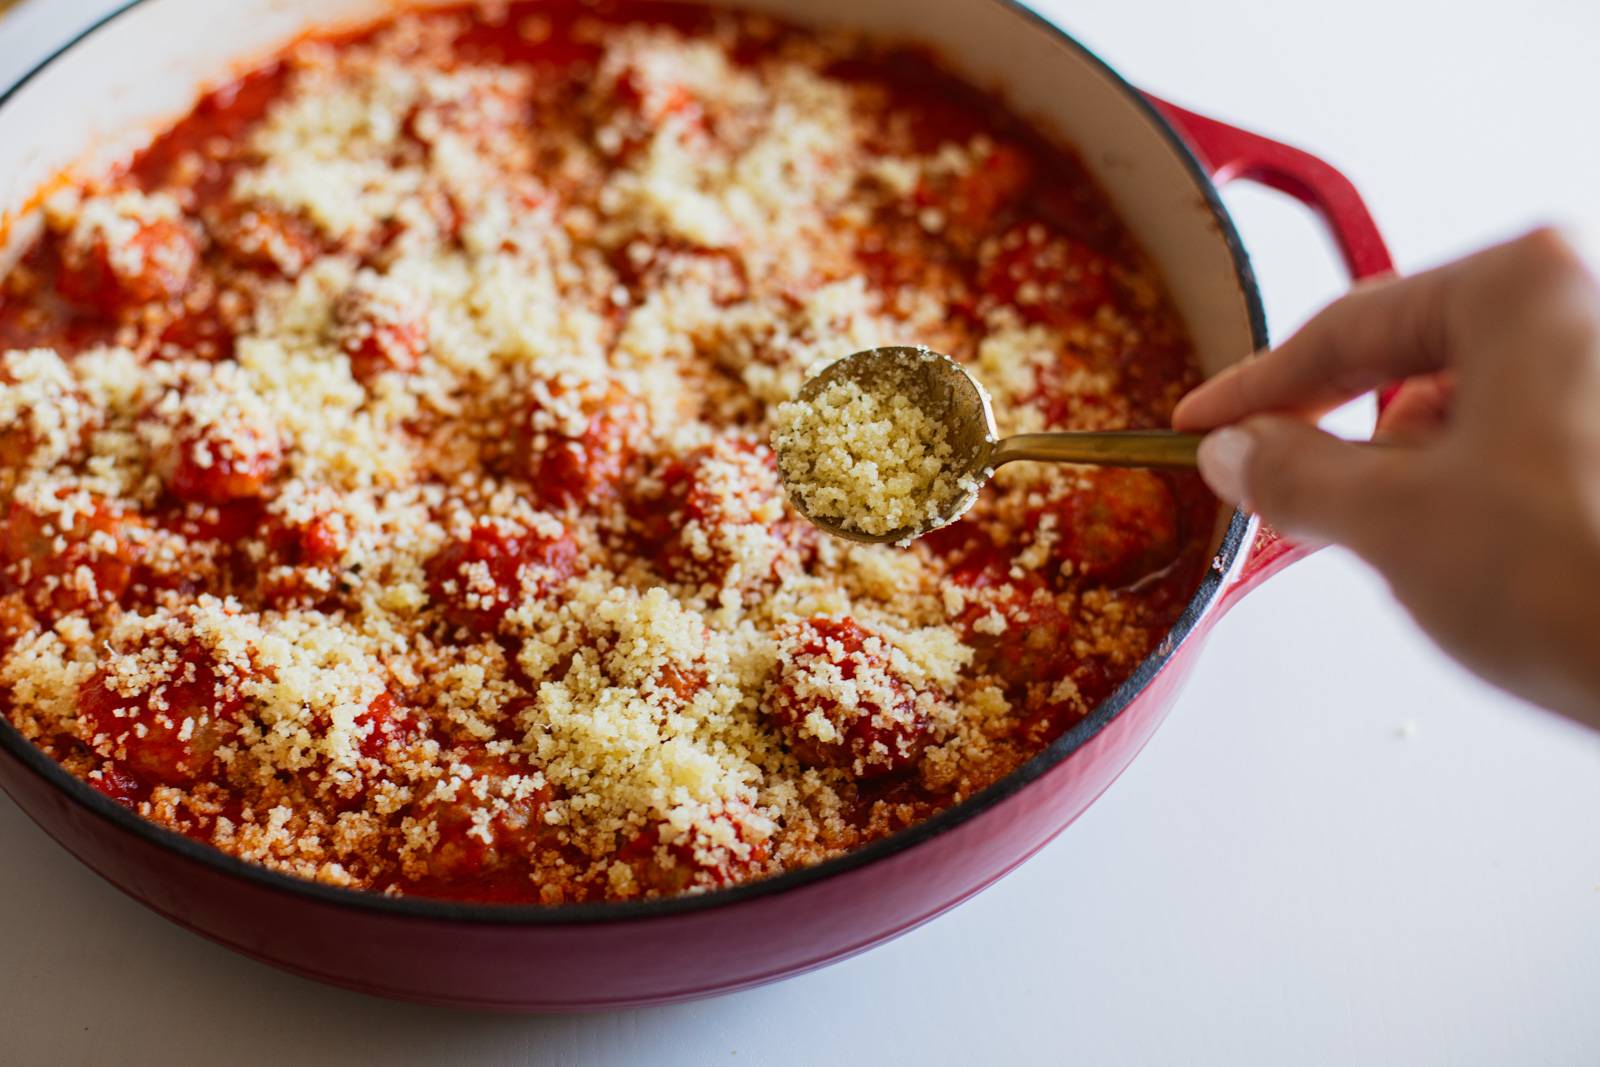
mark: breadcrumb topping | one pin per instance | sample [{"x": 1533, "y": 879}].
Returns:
[{"x": 384, "y": 487}]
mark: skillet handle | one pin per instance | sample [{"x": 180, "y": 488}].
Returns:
[{"x": 1228, "y": 153}]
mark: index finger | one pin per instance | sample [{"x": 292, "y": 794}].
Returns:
[
  {"x": 1380, "y": 332},
  {"x": 1384, "y": 331}
]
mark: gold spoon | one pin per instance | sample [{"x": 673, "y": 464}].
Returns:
[{"x": 946, "y": 392}]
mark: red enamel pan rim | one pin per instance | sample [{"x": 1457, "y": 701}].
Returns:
[{"x": 422, "y": 908}]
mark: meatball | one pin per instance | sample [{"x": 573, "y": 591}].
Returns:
[
  {"x": 127, "y": 251},
  {"x": 1110, "y": 528},
  {"x": 265, "y": 239},
  {"x": 381, "y": 328},
  {"x": 215, "y": 442},
  {"x": 486, "y": 818},
  {"x": 1050, "y": 278},
  {"x": 218, "y": 465},
  {"x": 1014, "y": 624},
  {"x": 576, "y": 443},
  {"x": 385, "y": 726},
  {"x": 720, "y": 519},
  {"x": 165, "y": 726},
  {"x": 973, "y": 200},
  {"x": 301, "y": 555},
  {"x": 69, "y": 557},
  {"x": 480, "y": 577},
  {"x": 840, "y": 702},
  {"x": 710, "y": 853}
]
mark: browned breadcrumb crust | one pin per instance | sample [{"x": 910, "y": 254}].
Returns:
[{"x": 386, "y": 493}]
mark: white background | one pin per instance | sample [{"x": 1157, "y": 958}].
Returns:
[{"x": 1339, "y": 849}]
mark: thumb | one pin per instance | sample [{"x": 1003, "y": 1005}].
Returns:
[{"x": 1305, "y": 482}]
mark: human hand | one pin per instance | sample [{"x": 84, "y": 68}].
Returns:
[{"x": 1482, "y": 510}]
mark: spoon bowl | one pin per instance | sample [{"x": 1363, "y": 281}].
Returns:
[
  {"x": 948, "y": 394},
  {"x": 939, "y": 387}
]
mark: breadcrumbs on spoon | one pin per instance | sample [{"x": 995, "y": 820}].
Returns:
[{"x": 866, "y": 459}]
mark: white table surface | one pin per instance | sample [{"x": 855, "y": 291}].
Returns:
[{"x": 1339, "y": 849}]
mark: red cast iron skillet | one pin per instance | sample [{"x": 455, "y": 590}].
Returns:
[{"x": 587, "y": 956}]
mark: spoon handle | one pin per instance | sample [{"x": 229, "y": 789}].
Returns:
[{"x": 1110, "y": 448}]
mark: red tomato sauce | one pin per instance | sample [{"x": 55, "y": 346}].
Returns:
[{"x": 1022, "y": 230}]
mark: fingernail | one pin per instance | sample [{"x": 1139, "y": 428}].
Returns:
[{"x": 1223, "y": 457}]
